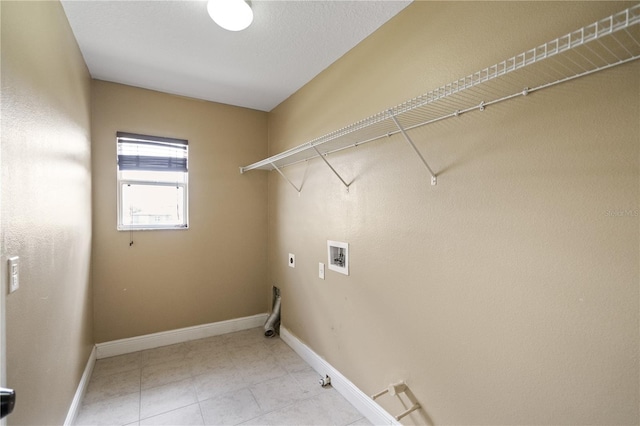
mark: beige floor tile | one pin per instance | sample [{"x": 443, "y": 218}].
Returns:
[
  {"x": 278, "y": 347},
  {"x": 308, "y": 380},
  {"x": 261, "y": 370},
  {"x": 163, "y": 354},
  {"x": 218, "y": 382},
  {"x": 111, "y": 386},
  {"x": 169, "y": 397},
  {"x": 292, "y": 362},
  {"x": 229, "y": 379},
  {"x": 230, "y": 409},
  {"x": 260, "y": 421},
  {"x": 115, "y": 411},
  {"x": 277, "y": 393},
  {"x": 321, "y": 409},
  {"x": 167, "y": 372},
  {"x": 287, "y": 358},
  {"x": 338, "y": 409},
  {"x": 116, "y": 364},
  {"x": 205, "y": 362},
  {"x": 289, "y": 415},
  {"x": 361, "y": 422},
  {"x": 250, "y": 352},
  {"x": 209, "y": 344},
  {"x": 185, "y": 416},
  {"x": 244, "y": 337}
]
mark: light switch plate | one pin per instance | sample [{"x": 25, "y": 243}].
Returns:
[
  {"x": 321, "y": 270},
  {"x": 14, "y": 273}
]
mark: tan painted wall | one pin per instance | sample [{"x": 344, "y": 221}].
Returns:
[
  {"x": 505, "y": 294},
  {"x": 46, "y": 209},
  {"x": 216, "y": 270}
]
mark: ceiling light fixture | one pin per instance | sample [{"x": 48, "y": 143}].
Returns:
[{"x": 232, "y": 15}]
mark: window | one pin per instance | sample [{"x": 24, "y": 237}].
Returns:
[{"x": 152, "y": 182}]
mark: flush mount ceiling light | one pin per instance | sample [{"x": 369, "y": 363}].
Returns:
[{"x": 232, "y": 15}]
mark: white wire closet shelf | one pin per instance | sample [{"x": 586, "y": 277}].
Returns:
[{"x": 609, "y": 42}]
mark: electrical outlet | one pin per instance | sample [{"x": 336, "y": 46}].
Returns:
[
  {"x": 292, "y": 260},
  {"x": 14, "y": 274},
  {"x": 321, "y": 270}
]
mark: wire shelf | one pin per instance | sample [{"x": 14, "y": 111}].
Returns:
[{"x": 609, "y": 42}]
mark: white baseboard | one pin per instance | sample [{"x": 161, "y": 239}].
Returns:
[
  {"x": 81, "y": 390},
  {"x": 155, "y": 340},
  {"x": 164, "y": 338},
  {"x": 361, "y": 401}
]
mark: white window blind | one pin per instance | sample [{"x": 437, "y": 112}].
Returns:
[{"x": 149, "y": 153}]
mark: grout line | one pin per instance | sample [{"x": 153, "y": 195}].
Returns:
[
  {"x": 264, "y": 413},
  {"x": 200, "y": 408},
  {"x": 140, "y": 395},
  {"x": 236, "y": 365}
]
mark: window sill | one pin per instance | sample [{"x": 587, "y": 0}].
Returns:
[{"x": 163, "y": 228}]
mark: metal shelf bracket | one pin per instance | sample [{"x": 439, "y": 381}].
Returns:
[
  {"x": 331, "y": 167},
  {"x": 604, "y": 44},
  {"x": 434, "y": 178},
  {"x": 286, "y": 178}
]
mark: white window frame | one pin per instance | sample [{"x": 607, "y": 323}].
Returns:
[{"x": 157, "y": 183}]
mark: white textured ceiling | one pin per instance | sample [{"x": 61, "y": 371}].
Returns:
[{"x": 174, "y": 47}]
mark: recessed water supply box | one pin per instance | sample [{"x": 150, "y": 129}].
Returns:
[{"x": 338, "y": 256}]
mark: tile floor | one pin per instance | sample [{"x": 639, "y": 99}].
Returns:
[{"x": 237, "y": 378}]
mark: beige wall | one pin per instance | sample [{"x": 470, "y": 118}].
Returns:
[
  {"x": 216, "y": 270},
  {"x": 46, "y": 209},
  {"x": 505, "y": 294}
]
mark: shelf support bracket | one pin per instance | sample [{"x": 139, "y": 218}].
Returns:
[
  {"x": 331, "y": 167},
  {"x": 285, "y": 177},
  {"x": 434, "y": 178}
]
